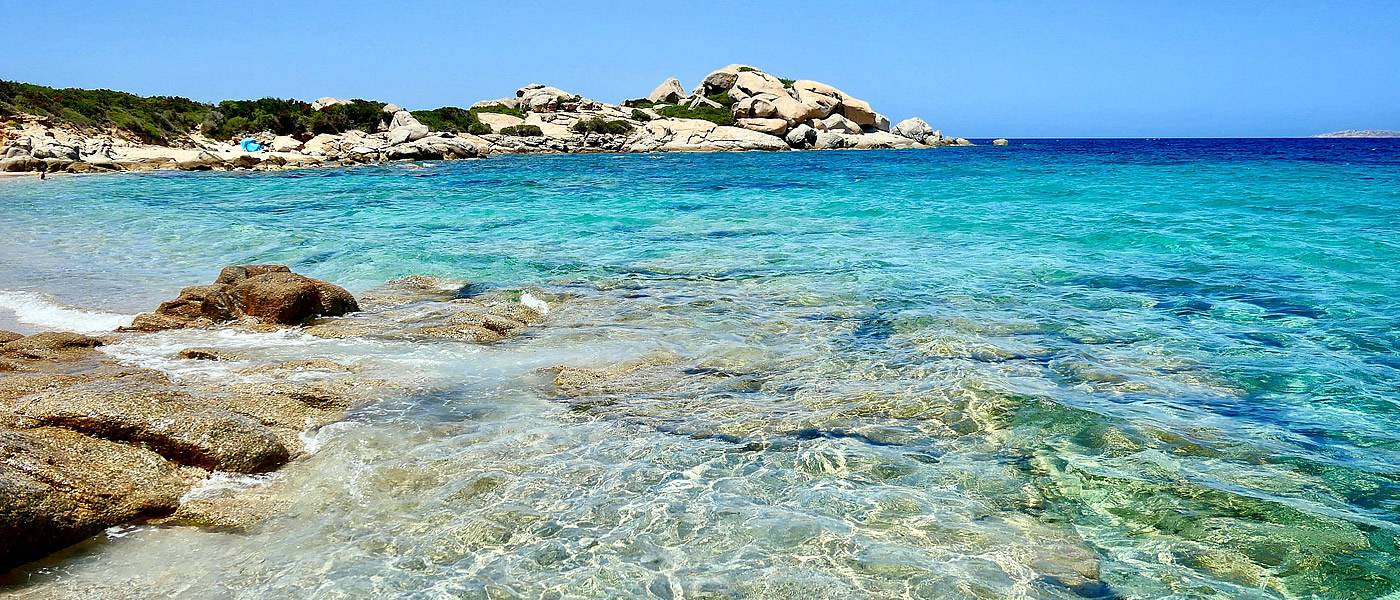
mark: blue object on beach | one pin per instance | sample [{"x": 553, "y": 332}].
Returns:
[{"x": 250, "y": 146}]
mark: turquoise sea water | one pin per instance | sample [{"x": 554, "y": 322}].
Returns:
[{"x": 1102, "y": 369}]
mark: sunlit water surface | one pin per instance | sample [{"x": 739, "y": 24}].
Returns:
[{"x": 1080, "y": 369}]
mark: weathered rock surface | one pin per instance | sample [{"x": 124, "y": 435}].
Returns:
[
  {"x": 670, "y": 92},
  {"x": 58, "y": 487},
  {"x": 171, "y": 423},
  {"x": 802, "y": 136},
  {"x": 1000, "y": 142},
  {"x": 667, "y": 135},
  {"x": 271, "y": 294},
  {"x": 918, "y": 130},
  {"x": 86, "y": 443}
]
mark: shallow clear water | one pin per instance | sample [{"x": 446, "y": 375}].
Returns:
[{"x": 1056, "y": 370}]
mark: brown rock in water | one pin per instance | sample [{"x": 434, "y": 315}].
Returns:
[
  {"x": 211, "y": 302},
  {"x": 177, "y": 426},
  {"x": 58, "y": 487},
  {"x": 272, "y": 294},
  {"x": 9, "y": 336},
  {"x": 204, "y": 354}
]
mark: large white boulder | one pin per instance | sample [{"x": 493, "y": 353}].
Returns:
[
  {"x": 408, "y": 133},
  {"x": 918, "y": 130},
  {"x": 538, "y": 97},
  {"x": 758, "y": 82},
  {"x": 880, "y": 139},
  {"x": 768, "y": 126},
  {"x": 317, "y": 144},
  {"x": 438, "y": 147},
  {"x": 499, "y": 121},
  {"x": 326, "y": 101},
  {"x": 669, "y": 92},
  {"x": 819, "y": 105},
  {"x": 802, "y": 136},
  {"x": 720, "y": 79},
  {"x": 817, "y": 87},
  {"x": 882, "y": 123},
  {"x": 840, "y": 124},
  {"x": 694, "y": 135},
  {"x": 857, "y": 110},
  {"x": 835, "y": 141},
  {"x": 285, "y": 143},
  {"x": 512, "y": 102}
]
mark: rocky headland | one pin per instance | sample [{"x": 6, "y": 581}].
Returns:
[
  {"x": 88, "y": 441},
  {"x": 1361, "y": 133},
  {"x": 734, "y": 108}
]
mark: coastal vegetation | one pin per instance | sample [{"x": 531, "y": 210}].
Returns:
[
  {"x": 601, "y": 125},
  {"x": 719, "y": 115},
  {"x": 453, "y": 119},
  {"x": 522, "y": 130},
  {"x": 154, "y": 119},
  {"x": 734, "y": 108}
]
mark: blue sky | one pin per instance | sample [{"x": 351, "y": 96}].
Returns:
[{"x": 978, "y": 68}]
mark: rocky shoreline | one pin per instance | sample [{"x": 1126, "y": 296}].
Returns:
[
  {"x": 88, "y": 442},
  {"x": 735, "y": 108}
]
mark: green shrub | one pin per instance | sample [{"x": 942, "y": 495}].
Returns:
[
  {"x": 281, "y": 117},
  {"x": 640, "y": 116},
  {"x": 601, "y": 125},
  {"x": 639, "y": 103},
  {"x": 746, "y": 69},
  {"x": 363, "y": 115},
  {"x": 522, "y": 130},
  {"x": 500, "y": 109},
  {"x": 721, "y": 98},
  {"x": 718, "y": 116},
  {"x": 157, "y": 119},
  {"x": 448, "y": 118},
  {"x": 787, "y": 82}
]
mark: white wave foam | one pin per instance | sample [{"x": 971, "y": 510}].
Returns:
[
  {"x": 35, "y": 309},
  {"x": 534, "y": 303},
  {"x": 220, "y": 482}
]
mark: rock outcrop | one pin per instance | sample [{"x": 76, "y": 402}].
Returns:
[
  {"x": 86, "y": 443},
  {"x": 669, "y": 92},
  {"x": 269, "y": 294},
  {"x": 759, "y": 103}
]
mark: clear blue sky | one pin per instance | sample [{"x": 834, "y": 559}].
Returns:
[{"x": 977, "y": 68}]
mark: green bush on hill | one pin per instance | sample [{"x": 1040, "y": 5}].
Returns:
[
  {"x": 451, "y": 118},
  {"x": 156, "y": 119},
  {"x": 640, "y": 116},
  {"x": 718, "y": 116},
  {"x": 281, "y": 117},
  {"x": 522, "y": 130},
  {"x": 364, "y": 115},
  {"x": 601, "y": 125},
  {"x": 500, "y": 109}
]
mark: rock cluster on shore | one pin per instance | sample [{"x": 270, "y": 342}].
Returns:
[
  {"x": 88, "y": 442},
  {"x": 734, "y": 108}
]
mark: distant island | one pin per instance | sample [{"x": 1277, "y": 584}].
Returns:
[
  {"x": 734, "y": 108},
  {"x": 1361, "y": 133}
]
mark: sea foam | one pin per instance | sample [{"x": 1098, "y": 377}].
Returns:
[{"x": 37, "y": 310}]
